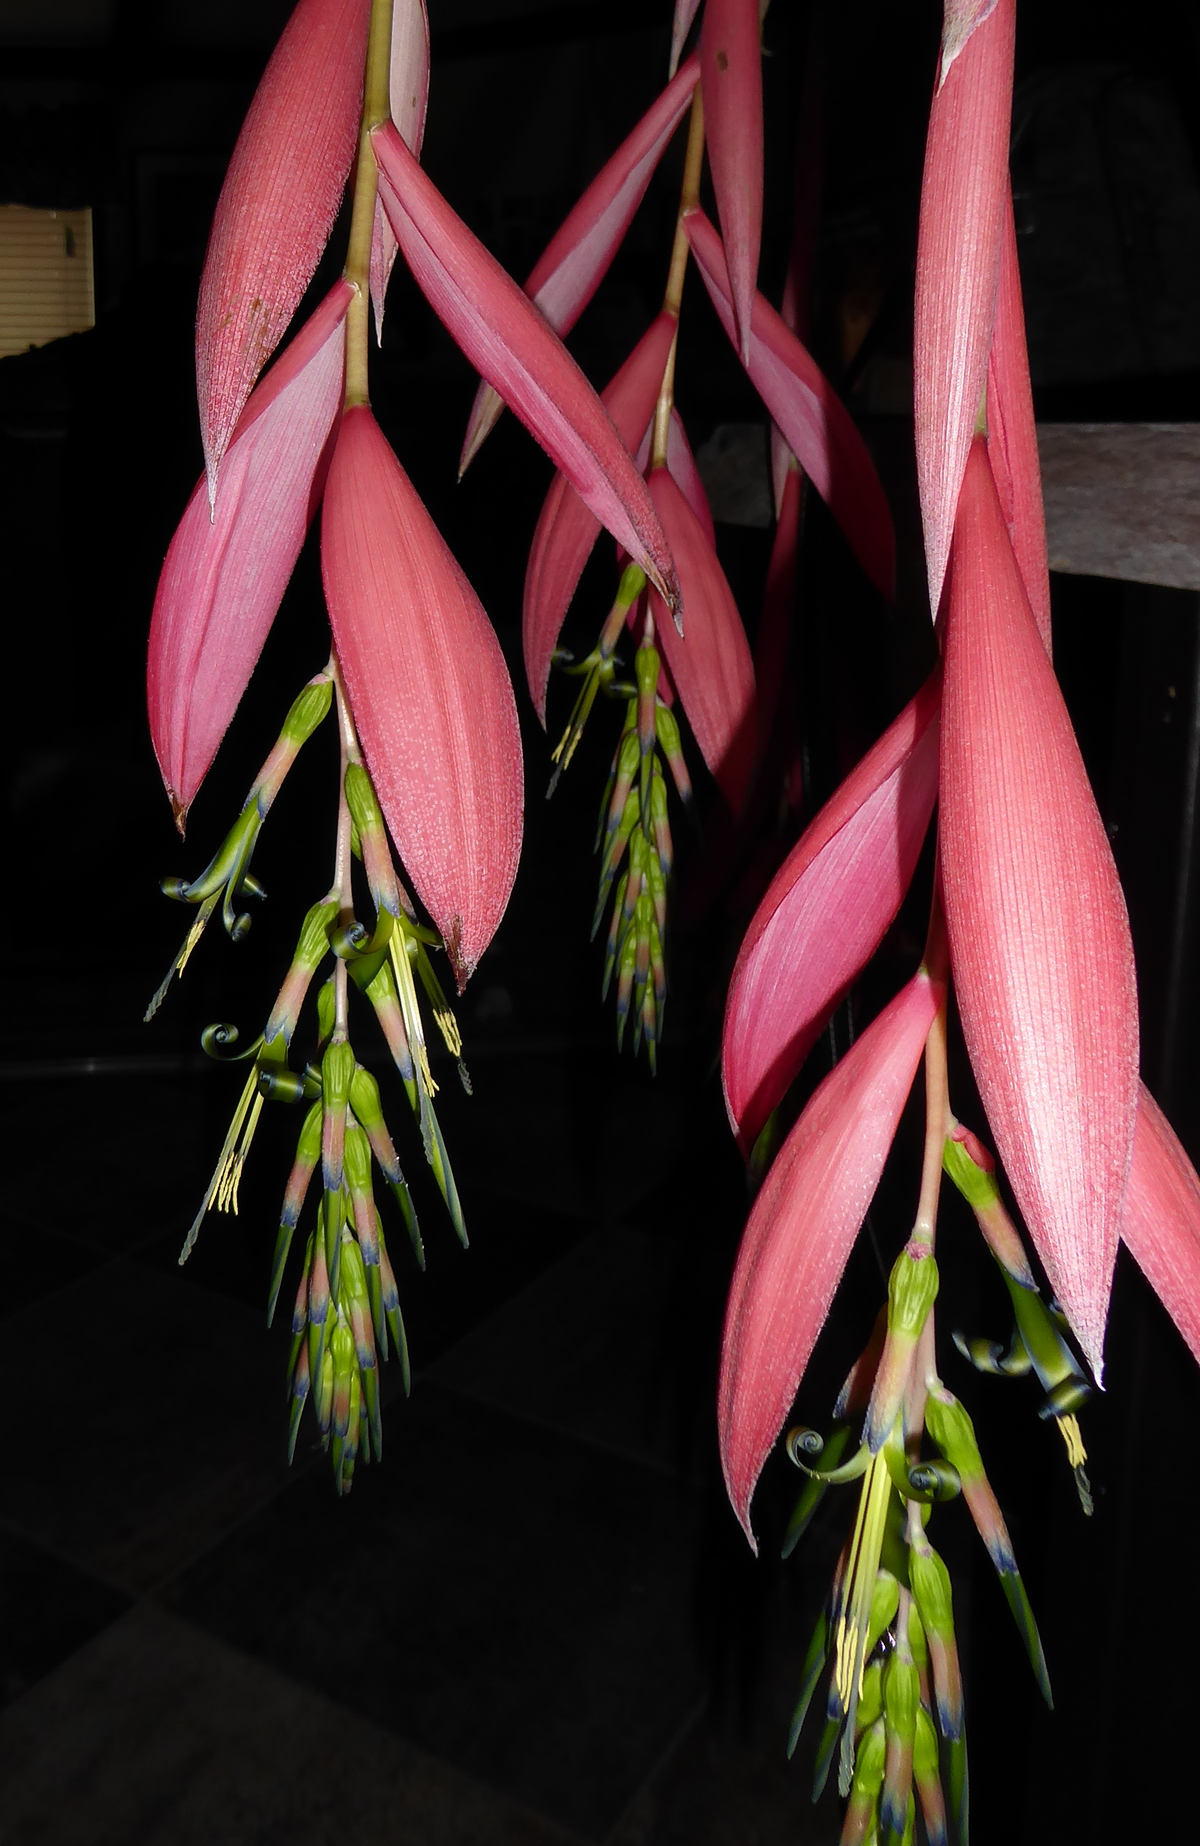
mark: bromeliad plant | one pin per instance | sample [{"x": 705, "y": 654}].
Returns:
[
  {"x": 701, "y": 660},
  {"x": 1029, "y": 927},
  {"x": 429, "y": 744}
]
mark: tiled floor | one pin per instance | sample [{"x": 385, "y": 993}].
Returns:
[{"x": 520, "y": 1629}]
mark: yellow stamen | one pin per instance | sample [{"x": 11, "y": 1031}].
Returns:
[
  {"x": 1069, "y": 1430},
  {"x": 217, "y": 1183},
  {"x": 411, "y": 1013},
  {"x": 227, "y": 1198}
]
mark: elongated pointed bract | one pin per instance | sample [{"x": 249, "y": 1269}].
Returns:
[
  {"x": 408, "y": 96},
  {"x": 773, "y": 640},
  {"x": 710, "y": 663},
  {"x": 1161, "y": 1220},
  {"x": 801, "y": 1230},
  {"x": 814, "y": 421},
  {"x": 509, "y": 342},
  {"x": 685, "y": 12},
  {"x": 429, "y": 691},
  {"x": 227, "y": 568},
  {"x": 1039, "y": 937},
  {"x": 681, "y": 465},
  {"x": 963, "y": 195},
  {"x": 576, "y": 260},
  {"x": 566, "y": 528},
  {"x": 277, "y": 207},
  {"x": 1012, "y": 433},
  {"x": 731, "y": 81},
  {"x": 826, "y": 911}
]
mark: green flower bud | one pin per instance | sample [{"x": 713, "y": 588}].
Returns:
[
  {"x": 364, "y": 1098},
  {"x": 870, "y": 1699},
  {"x": 912, "y": 1290},
  {"x": 633, "y": 582},
  {"x": 885, "y": 1600},
  {"x": 362, "y": 801},
  {"x": 925, "y": 1747},
  {"x": 901, "y": 1695},
  {"x": 337, "y": 1074},
  {"x": 326, "y": 1008},
  {"x": 954, "y": 1433},
  {"x": 308, "y": 711},
  {"x": 357, "y": 1158},
  {"x": 870, "y": 1762},
  {"x": 931, "y": 1590},
  {"x": 978, "y": 1187}
]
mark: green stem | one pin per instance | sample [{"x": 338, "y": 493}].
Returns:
[{"x": 375, "y": 109}]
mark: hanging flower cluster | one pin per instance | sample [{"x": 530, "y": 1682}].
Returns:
[
  {"x": 702, "y": 659},
  {"x": 429, "y": 743},
  {"x": 1029, "y": 926}
]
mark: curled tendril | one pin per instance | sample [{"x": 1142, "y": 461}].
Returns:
[
  {"x": 931, "y": 1481},
  {"x": 805, "y": 1446},
  {"x": 215, "y": 1038},
  {"x": 990, "y": 1357},
  {"x": 351, "y": 942}
]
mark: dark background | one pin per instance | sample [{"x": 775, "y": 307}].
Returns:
[{"x": 537, "y": 1622}]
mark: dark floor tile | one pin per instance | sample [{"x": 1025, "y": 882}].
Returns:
[
  {"x": 597, "y": 1348},
  {"x": 112, "y": 1160},
  {"x": 40, "y": 1259},
  {"x": 49, "y": 1609},
  {"x": 161, "y": 1417},
  {"x": 516, "y": 1603},
  {"x": 160, "y": 1735}
]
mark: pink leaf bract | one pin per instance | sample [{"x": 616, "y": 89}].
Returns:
[
  {"x": 428, "y": 688},
  {"x": 815, "y": 423},
  {"x": 227, "y": 568},
  {"x": 802, "y": 1229},
  {"x": 510, "y": 344},
  {"x": 681, "y": 25},
  {"x": 1161, "y": 1220},
  {"x": 566, "y": 529},
  {"x": 408, "y": 98},
  {"x": 277, "y": 207},
  {"x": 826, "y": 912},
  {"x": 710, "y": 663},
  {"x": 1012, "y": 434},
  {"x": 731, "y": 83},
  {"x": 963, "y": 195},
  {"x": 577, "y": 258},
  {"x": 1039, "y": 937}
]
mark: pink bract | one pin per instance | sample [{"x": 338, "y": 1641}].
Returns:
[
  {"x": 1161, "y": 1220},
  {"x": 509, "y": 342},
  {"x": 428, "y": 688},
  {"x": 566, "y": 529},
  {"x": 576, "y": 260},
  {"x": 228, "y": 566},
  {"x": 408, "y": 98},
  {"x": 731, "y": 82},
  {"x": 710, "y": 663},
  {"x": 963, "y": 195},
  {"x": 815, "y": 423},
  {"x": 1039, "y": 938},
  {"x": 802, "y": 1229},
  {"x": 826, "y": 912},
  {"x": 277, "y": 207}
]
